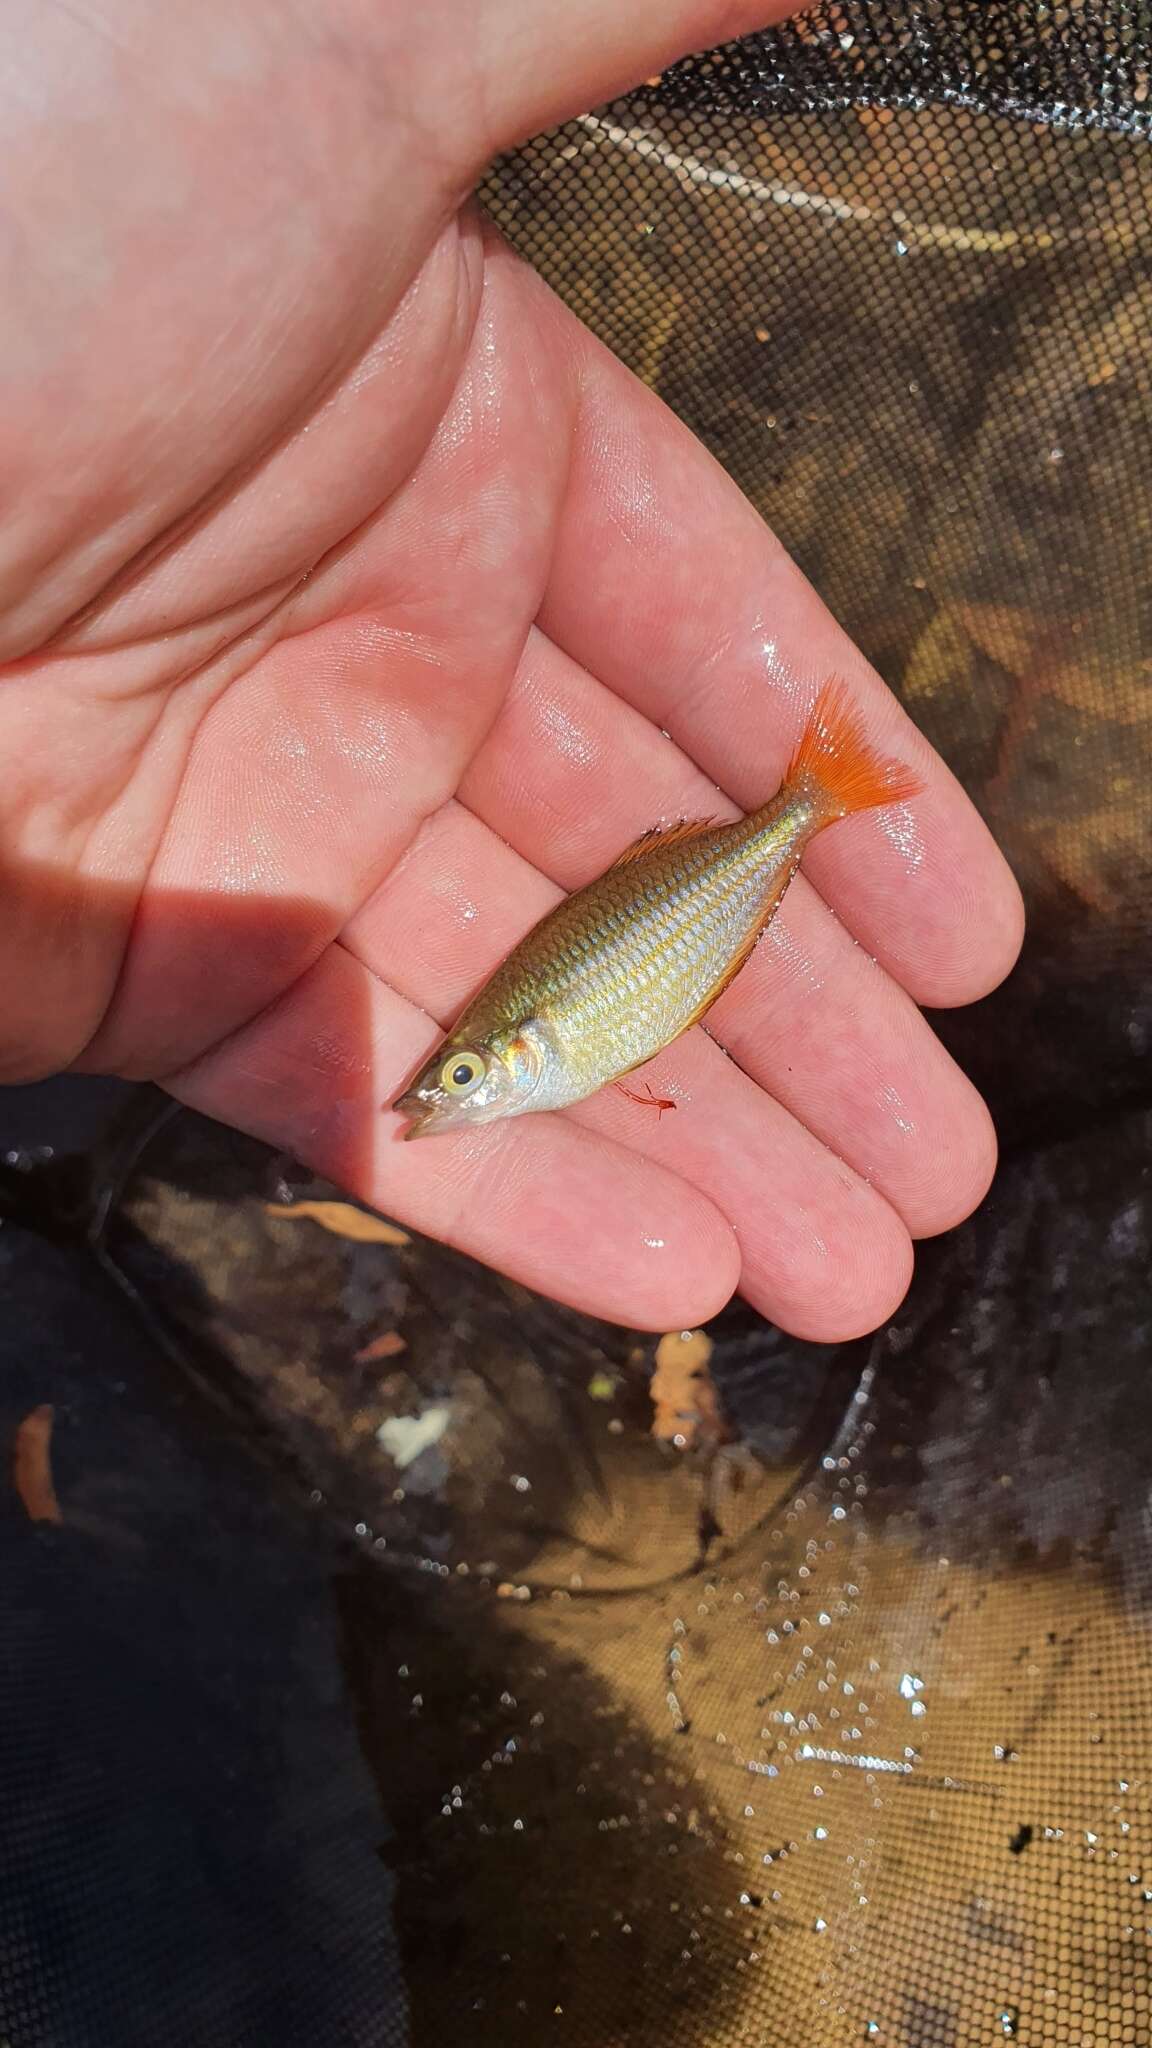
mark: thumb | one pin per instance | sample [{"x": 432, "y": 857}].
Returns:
[{"x": 544, "y": 63}]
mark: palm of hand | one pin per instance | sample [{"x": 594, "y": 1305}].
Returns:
[{"x": 397, "y": 663}]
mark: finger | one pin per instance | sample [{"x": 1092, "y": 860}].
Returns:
[
  {"x": 303, "y": 777},
  {"x": 666, "y": 584},
  {"x": 559, "y": 1208},
  {"x": 570, "y": 775},
  {"x": 821, "y": 1253},
  {"x": 543, "y": 64}
]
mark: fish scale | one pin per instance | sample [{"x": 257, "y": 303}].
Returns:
[
  {"x": 620, "y": 968},
  {"x": 617, "y": 970}
]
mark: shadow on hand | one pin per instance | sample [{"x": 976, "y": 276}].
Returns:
[{"x": 236, "y": 1003}]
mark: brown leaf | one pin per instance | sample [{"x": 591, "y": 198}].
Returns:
[
  {"x": 942, "y": 655},
  {"x": 1098, "y": 687},
  {"x": 683, "y": 1396},
  {"x": 343, "y": 1219},
  {"x": 1009, "y": 633},
  {"x": 32, "y": 1466},
  {"x": 389, "y": 1345},
  {"x": 1090, "y": 851}
]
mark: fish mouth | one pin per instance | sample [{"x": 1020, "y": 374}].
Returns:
[{"x": 418, "y": 1111}]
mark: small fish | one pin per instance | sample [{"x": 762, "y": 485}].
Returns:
[{"x": 619, "y": 969}]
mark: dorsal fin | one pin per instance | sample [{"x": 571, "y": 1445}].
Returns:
[{"x": 659, "y": 836}]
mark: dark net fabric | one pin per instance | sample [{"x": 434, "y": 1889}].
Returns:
[
  {"x": 891, "y": 264},
  {"x": 419, "y": 1663}
]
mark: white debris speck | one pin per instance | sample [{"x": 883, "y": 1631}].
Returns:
[{"x": 404, "y": 1437}]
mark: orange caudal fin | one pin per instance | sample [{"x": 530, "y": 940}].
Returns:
[{"x": 836, "y": 758}]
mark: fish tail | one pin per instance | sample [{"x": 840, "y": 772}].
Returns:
[{"x": 835, "y": 761}]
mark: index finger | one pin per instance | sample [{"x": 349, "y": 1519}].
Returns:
[{"x": 668, "y": 586}]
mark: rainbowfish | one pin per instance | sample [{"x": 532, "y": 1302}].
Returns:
[{"x": 620, "y": 968}]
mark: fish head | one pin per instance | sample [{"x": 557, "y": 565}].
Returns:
[{"x": 472, "y": 1081}]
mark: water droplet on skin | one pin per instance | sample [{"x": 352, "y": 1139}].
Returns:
[
  {"x": 654, "y": 1244},
  {"x": 900, "y": 828},
  {"x": 888, "y": 1099},
  {"x": 566, "y": 736}
]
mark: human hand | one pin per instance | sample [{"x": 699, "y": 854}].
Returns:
[{"x": 348, "y": 590}]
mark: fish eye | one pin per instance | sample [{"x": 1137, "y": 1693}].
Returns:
[{"x": 462, "y": 1073}]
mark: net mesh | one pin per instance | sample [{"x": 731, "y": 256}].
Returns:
[
  {"x": 831, "y": 1721},
  {"x": 891, "y": 266}
]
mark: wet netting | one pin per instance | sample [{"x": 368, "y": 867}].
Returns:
[{"x": 388, "y": 1657}]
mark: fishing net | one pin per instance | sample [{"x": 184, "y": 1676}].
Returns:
[{"x": 415, "y": 1662}]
